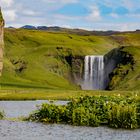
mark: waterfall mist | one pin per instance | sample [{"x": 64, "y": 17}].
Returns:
[{"x": 94, "y": 78}]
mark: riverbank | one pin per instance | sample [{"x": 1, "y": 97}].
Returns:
[{"x": 38, "y": 131}]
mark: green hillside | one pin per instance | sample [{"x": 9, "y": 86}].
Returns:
[
  {"x": 127, "y": 77},
  {"x": 36, "y": 59}
]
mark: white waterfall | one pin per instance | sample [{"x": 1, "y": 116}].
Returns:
[{"x": 94, "y": 73}]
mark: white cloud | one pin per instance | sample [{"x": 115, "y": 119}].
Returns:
[
  {"x": 9, "y": 15},
  {"x": 28, "y": 12},
  {"x": 60, "y": 1},
  {"x": 52, "y": 5},
  {"x": 64, "y": 17},
  {"x": 131, "y": 4},
  {"x": 128, "y": 4},
  {"x": 9, "y": 12},
  {"x": 116, "y": 26},
  {"x": 94, "y": 15},
  {"x": 6, "y": 3},
  {"x": 17, "y": 13},
  {"x": 134, "y": 16},
  {"x": 114, "y": 15}
]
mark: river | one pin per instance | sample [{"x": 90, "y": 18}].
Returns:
[{"x": 13, "y": 130}]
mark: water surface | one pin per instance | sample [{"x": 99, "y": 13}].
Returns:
[
  {"x": 10, "y": 130},
  {"x": 14, "y": 109}
]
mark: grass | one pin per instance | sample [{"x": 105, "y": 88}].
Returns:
[
  {"x": 35, "y": 68},
  {"x": 32, "y": 58},
  {"x": 41, "y": 94},
  {"x": 132, "y": 80}
]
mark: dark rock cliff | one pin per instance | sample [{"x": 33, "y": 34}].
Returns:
[
  {"x": 118, "y": 63},
  {"x": 74, "y": 63}
]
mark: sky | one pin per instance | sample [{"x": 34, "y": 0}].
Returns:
[{"x": 119, "y": 15}]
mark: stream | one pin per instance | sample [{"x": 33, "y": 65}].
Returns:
[{"x": 16, "y": 130}]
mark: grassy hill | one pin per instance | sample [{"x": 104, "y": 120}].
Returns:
[
  {"x": 126, "y": 77},
  {"x": 37, "y": 59}
]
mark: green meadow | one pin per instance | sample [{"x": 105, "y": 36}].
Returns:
[
  {"x": 41, "y": 94},
  {"x": 35, "y": 68}
]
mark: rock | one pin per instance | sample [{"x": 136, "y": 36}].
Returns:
[
  {"x": 1, "y": 41},
  {"x": 118, "y": 63}
]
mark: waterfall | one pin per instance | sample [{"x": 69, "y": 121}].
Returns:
[{"x": 94, "y": 73}]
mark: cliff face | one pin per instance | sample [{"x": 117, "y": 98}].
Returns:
[
  {"x": 74, "y": 63},
  {"x": 118, "y": 64},
  {"x": 1, "y": 41}
]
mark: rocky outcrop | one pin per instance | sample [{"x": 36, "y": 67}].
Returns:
[
  {"x": 118, "y": 63},
  {"x": 1, "y": 41},
  {"x": 78, "y": 69},
  {"x": 74, "y": 63}
]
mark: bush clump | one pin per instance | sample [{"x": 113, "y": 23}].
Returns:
[
  {"x": 117, "y": 112},
  {"x": 123, "y": 116}
]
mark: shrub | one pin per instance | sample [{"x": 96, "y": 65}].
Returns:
[
  {"x": 49, "y": 113},
  {"x": 117, "y": 112},
  {"x": 82, "y": 116},
  {"x": 123, "y": 116}
]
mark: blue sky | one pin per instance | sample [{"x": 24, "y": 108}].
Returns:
[{"x": 87, "y": 14}]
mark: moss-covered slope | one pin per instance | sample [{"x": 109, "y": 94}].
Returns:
[
  {"x": 127, "y": 75},
  {"x": 40, "y": 59},
  {"x": 43, "y": 59}
]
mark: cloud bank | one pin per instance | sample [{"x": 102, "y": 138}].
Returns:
[{"x": 92, "y": 14}]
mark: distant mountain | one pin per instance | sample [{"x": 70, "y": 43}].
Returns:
[
  {"x": 11, "y": 27},
  {"x": 138, "y": 30},
  {"x": 75, "y": 31},
  {"x": 52, "y": 28},
  {"x": 42, "y": 27},
  {"x": 28, "y": 27}
]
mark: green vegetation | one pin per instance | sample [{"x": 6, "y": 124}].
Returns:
[
  {"x": 41, "y": 65},
  {"x": 41, "y": 94},
  {"x": 121, "y": 112},
  {"x": 126, "y": 76},
  {"x": 124, "y": 115},
  {"x": 1, "y": 17},
  {"x": 37, "y": 63},
  {"x": 2, "y": 115},
  {"x": 36, "y": 59}
]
